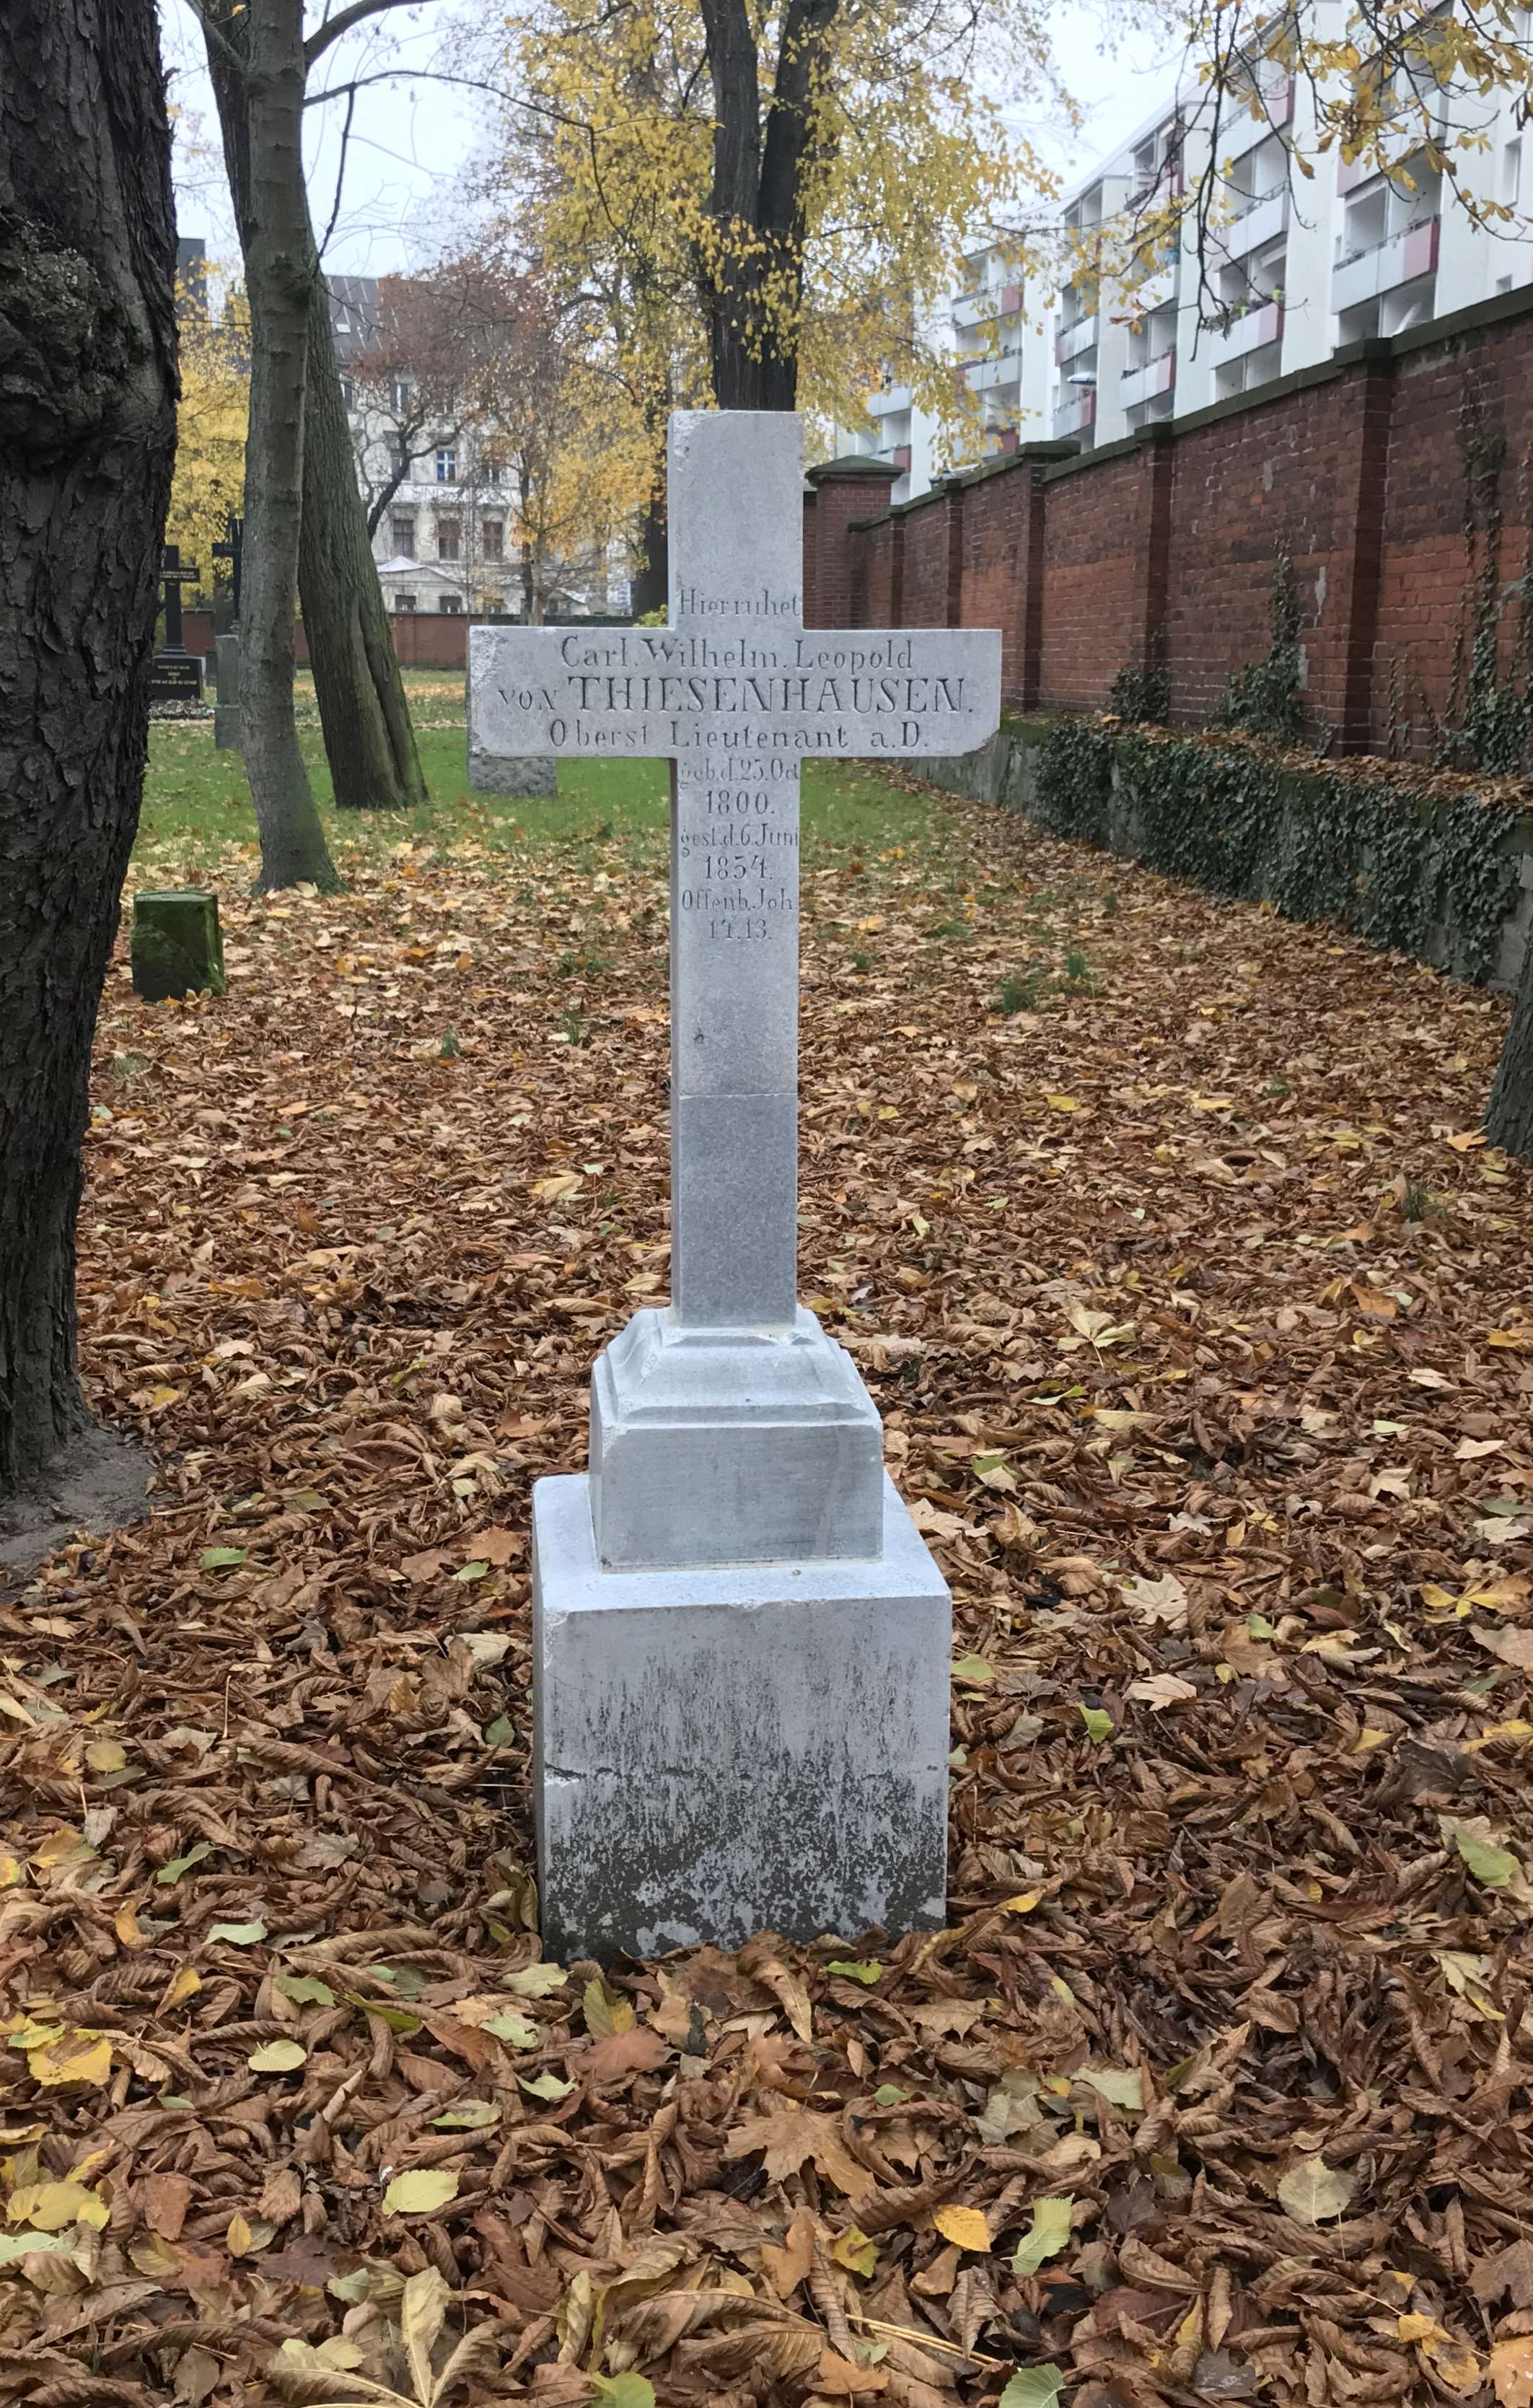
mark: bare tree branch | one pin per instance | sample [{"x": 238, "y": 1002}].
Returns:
[
  {"x": 216, "y": 40},
  {"x": 340, "y": 175},
  {"x": 334, "y": 27}
]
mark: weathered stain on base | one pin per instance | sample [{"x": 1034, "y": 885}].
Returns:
[{"x": 723, "y": 1753}]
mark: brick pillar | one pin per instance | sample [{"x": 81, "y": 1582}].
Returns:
[
  {"x": 811, "y": 605},
  {"x": 951, "y": 538},
  {"x": 844, "y": 491},
  {"x": 1353, "y": 572},
  {"x": 1152, "y": 545},
  {"x": 1015, "y": 488}
]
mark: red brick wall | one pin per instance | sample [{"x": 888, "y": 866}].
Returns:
[
  {"x": 1091, "y": 578},
  {"x": 931, "y": 583},
  {"x": 1161, "y": 551},
  {"x": 878, "y": 566},
  {"x": 1002, "y": 527},
  {"x": 1448, "y": 402},
  {"x": 422, "y": 638},
  {"x": 843, "y": 492}
]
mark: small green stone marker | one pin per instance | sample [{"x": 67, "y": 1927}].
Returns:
[{"x": 177, "y": 945}]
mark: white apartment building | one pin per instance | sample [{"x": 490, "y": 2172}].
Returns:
[
  {"x": 1294, "y": 267},
  {"x": 998, "y": 365}
]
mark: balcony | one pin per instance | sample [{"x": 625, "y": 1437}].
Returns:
[
  {"x": 1261, "y": 220},
  {"x": 1398, "y": 259},
  {"x": 889, "y": 403},
  {"x": 986, "y": 304},
  {"x": 1252, "y": 332},
  {"x": 983, "y": 376},
  {"x": 1078, "y": 415},
  {"x": 1143, "y": 383},
  {"x": 1240, "y": 132},
  {"x": 1071, "y": 342},
  {"x": 1153, "y": 291},
  {"x": 901, "y": 458}
]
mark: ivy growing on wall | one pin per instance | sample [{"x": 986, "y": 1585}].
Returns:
[
  {"x": 1142, "y": 695},
  {"x": 1488, "y": 720},
  {"x": 1265, "y": 697},
  {"x": 1372, "y": 855}
]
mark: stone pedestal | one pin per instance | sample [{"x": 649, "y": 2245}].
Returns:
[
  {"x": 723, "y": 1752},
  {"x": 742, "y": 1446}
]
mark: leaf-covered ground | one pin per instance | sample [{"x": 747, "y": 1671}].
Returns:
[{"x": 1202, "y": 1325}]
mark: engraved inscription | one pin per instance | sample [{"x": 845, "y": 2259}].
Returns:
[{"x": 737, "y": 870}]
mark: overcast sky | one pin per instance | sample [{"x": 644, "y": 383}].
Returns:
[{"x": 404, "y": 195}]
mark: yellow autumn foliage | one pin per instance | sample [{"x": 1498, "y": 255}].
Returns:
[
  {"x": 911, "y": 151},
  {"x": 210, "y": 422}
]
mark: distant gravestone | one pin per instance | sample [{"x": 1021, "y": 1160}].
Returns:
[
  {"x": 530, "y": 777},
  {"x": 226, "y": 719},
  {"x": 175, "y": 674},
  {"x": 740, "y": 1643},
  {"x": 177, "y": 947}
]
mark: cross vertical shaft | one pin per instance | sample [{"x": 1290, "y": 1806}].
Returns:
[{"x": 735, "y": 486}]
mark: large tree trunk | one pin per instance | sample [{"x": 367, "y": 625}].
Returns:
[
  {"x": 652, "y": 578},
  {"x": 370, "y": 741},
  {"x": 650, "y": 586},
  {"x": 280, "y": 272},
  {"x": 757, "y": 201},
  {"x": 1509, "y": 1115},
  {"x": 86, "y": 438}
]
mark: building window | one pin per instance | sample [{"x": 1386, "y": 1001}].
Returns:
[
  {"x": 494, "y": 602},
  {"x": 494, "y": 539},
  {"x": 447, "y": 464},
  {"x": 400, "y": 395},
  {"x": 404, "y": 603},
  {"x": 494, "y": 471},
  {"x": 404, "y": 537},
  {"x": 450, "y": 606},
  {"x": 449, "y": 538},
  {"x": 348, "y": 392}
]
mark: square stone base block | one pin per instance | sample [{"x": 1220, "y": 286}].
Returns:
[{"x": 723, "y": 1752}]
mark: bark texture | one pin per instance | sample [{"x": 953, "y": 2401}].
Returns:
[
  {"x": 370, "y": 741},
  {"x": 1509, "y": 1115},
  {"x": 280, "y": 273},
  {"x": 87, "y": 439},
  {"x": 753, "y": 289}
]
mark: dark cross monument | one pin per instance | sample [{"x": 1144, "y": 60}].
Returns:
[
  {"x": 175, "y": 674},
  {"x": 226, "y": 640}
]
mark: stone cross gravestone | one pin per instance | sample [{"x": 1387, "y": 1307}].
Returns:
[{"x": 740, "y": 1641}]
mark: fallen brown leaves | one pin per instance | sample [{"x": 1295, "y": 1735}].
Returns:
[{"x": 1216, "y": 2087}]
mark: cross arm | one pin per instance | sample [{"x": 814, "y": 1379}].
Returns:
[{"x": 697, "y": 691}]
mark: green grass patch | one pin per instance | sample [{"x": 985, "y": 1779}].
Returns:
[{"x": 197, "y": 806}]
